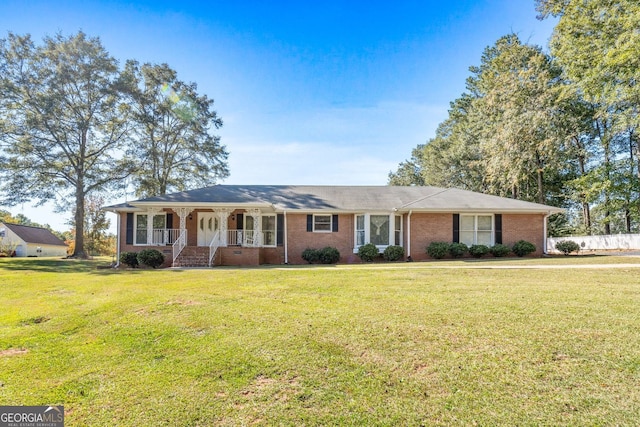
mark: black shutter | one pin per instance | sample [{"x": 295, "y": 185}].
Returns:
[
  {"x": 334, "y": 223},
  {"x": 129, "y": 233},
  {"x": 456, "y": 228},
  {"x": 498, "y": 224},
  {"x": 239, "y": 221},
  {"x": 309, "y": 222},
  {"x": 169, "y": 221},
  {"x": 280, "y": 229}
]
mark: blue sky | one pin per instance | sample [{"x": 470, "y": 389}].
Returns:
[{"x": 331, "y": 92}]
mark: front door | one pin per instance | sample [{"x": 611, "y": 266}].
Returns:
[{"x": 207, "y": 227}]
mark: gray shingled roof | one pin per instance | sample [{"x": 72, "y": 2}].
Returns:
[
  {"x": 344, "y": 198},
  {"x": 35, "y": 235}
]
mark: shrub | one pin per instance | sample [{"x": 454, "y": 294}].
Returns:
[
  {"x": 522, "y": 248},
  {"x": 393, "y": 253},
  {"x": 458, "y": 249},
  {"x": 567, "y": 246},
  {"x": 328, "y": 255},
  {"x": 478, "y": 251},
  {"x": 129, "y": 258},
  {"x": 151, "y": 257},
  {"x": 368, "y": 252},
  {"x": 499, "y": 250},
  {"x": 437, "y": 250},
  {"x": 311, "y": 255}
]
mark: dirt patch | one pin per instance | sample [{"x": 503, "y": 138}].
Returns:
[
  {"x": 275, "y": 389},
  {"x": 180, "y": 302},
  {"x": 13, "y": 352},
  {"x": 35, "y": 320}
]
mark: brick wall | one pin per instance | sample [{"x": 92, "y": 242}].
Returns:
[
  {"x": 427, "y": 228},
  {"x": 524, "y": 227},
  {"x": 239, "y": 256},
  {"x": 300, "y": 239}
]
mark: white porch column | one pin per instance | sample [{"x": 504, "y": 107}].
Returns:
[
  {"x": 151, "y": 212},
  {"x": 223, "y": 215},
  {"x": 257, "y": 226},
  {"x": 183, "y": 213}
]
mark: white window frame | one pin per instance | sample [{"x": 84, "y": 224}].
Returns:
[
  {"x": 262, "y": 222},
  {"x": 330, "y": 223},
  {"x": 399, "y": 231},
  {"x": 367, "y": 229},
  {"x": 149, "y": 226},
  {"x": 360, "y": 230},
  {"x": 136, "y": 229},
  {"x": 475, "y": 227},
  {"x": 275, "y": 230}
]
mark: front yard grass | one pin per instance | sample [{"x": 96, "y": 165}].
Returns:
[{"x": 429, "y": 344}]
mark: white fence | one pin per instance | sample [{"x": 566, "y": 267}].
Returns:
[{"x": 599, "y": 243}]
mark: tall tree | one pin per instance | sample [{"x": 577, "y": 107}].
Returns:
[
  {"x": 499, "y": 136},
  {"x": 517, "y": 85},
  {"x": 598, "y": 45},
  {"x": 65, "y": 123},
  {"x": 173, "y": 124},
  {"x": 409, "y": 172}
]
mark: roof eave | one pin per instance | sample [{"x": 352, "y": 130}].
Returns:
[
  {"x": 201, "y": 205},
  {"x": 550, "y": 210}
]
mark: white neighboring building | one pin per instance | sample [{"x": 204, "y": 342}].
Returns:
[{"x": 32, "y": 241}]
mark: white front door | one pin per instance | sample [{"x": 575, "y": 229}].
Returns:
[{"x": 207, "y": 227}]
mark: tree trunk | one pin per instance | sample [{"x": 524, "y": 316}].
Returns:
[
  {"x": 79, "y": 214},
  {"x": 586, "y": 209},
  {"x": 540, "y": 179},
  {"x": 79, "y": 222},
  {"x": 586, "y": 214},
  {"x": 606, "y": 145}
]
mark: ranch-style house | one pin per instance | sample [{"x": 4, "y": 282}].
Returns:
[{"x": 274, "y": 224}]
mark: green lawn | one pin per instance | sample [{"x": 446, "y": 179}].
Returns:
[{"x": 442, "y": 343}]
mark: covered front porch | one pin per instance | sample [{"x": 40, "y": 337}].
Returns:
[{"x": 205, "y": 232}]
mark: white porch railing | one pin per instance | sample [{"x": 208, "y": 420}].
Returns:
[
  {"x": 213, "y": 246},
  {"x": 165, "y": 236},
  {"x": 249, "y": 238},
  {"x": 179, "y": 244}
]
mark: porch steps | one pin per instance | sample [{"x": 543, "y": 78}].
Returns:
[{"x": 193, "y": 256}]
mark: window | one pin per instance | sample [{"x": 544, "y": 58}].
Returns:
[
  {"x": 398, "y": 231},
  {"x": 379, "y": 229},
  {"x": 268, "y": 227},
  {"x": 322, "y": 223},
  {"x": 269, "y": 230},
  {"x": 476, "y": 230},
  {"x": 141, "y": 229},
  {"x": 159, "y": 222},
  {"x": 158, "y": 225},
  {"x": 360, "y": 230}
]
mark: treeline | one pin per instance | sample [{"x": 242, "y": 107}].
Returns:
[
  {"x": 75, "y": 124},
  {"x": 558, "y": 128}
]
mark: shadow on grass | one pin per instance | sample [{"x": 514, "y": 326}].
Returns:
[
  {"x": 526, "y": 258},
  {"x": 58, "y": 265}
]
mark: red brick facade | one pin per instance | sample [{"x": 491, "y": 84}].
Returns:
[
  {"x": 299, "y": 239},
  {"x": 424, "y": 228}
]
